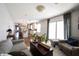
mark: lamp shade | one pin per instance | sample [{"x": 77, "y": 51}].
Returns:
[{"x": 9, "y": 30}]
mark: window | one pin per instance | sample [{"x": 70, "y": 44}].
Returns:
[
  {"x": 52, "y": 30},
  {"x": 38, "y": 27},
  {"x": 60, "y": 30},
  {"x": 56, "y": 30}
]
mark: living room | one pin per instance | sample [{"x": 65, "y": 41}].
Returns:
[{"x": 39, "y": 29}]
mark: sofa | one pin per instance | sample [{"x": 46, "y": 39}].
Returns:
[
  {"x": 8, "y": 47},
  {"x": 70, "y": 47}
]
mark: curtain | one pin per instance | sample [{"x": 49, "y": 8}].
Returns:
[
  {"x": 67, "y": 25},
  {"x": 47, "y": 28}
]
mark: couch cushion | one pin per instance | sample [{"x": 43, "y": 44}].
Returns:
[
  {"x": 66, "y": 45},
  {"x": 18, "y": 46},
  {"x": 72, "y": 42},
  {"x": 6, "y": 46},
  {"x": 17, "y": 41}
]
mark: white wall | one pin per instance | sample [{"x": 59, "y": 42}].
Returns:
[
  {"x": 74, "y": 23},
  {"x": 44, "y": 26},
  {"x": 5, "y": 22}
]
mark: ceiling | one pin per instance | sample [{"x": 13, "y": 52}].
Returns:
[{"x": 22, "y": 12}]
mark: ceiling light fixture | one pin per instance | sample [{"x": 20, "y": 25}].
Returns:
[{"x": 40, "y": 8}]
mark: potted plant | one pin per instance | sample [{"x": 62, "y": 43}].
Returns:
[{"x": 41, "y": 38}]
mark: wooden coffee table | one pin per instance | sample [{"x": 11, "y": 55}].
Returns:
[{"x": 40, "y": 49}]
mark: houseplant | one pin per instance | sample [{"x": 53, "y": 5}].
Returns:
[{"x": 40, "y": 38}]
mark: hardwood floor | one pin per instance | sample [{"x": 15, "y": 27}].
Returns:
[{"x": 27, "y": 41}]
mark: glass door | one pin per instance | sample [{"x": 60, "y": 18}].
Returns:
[
  {"x": 52, "y": 30},
  {"x": 60, "y": 30},
  {"x": 56, "y": 30}
]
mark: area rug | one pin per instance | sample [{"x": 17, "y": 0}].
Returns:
[{"x": 17, "y": 53}]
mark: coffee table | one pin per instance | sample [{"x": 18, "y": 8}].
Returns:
[{"x": 40, "y": 49}]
